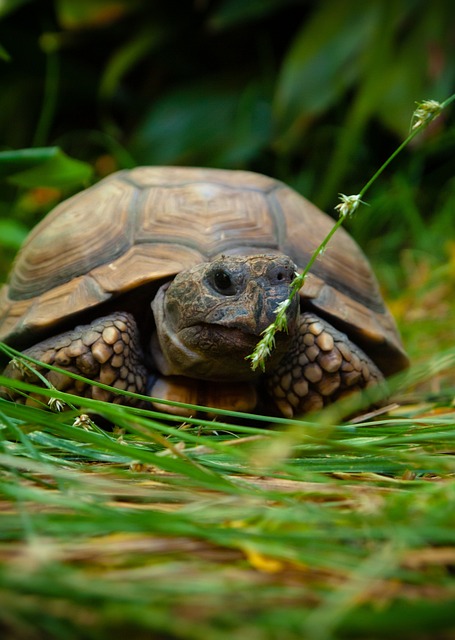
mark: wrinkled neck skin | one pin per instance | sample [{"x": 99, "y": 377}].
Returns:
[{"x": 209, "y": 318}]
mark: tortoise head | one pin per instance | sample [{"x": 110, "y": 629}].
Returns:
[{"x": 210, "y": 317}]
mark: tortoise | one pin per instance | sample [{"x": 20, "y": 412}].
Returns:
[{"x": 160, "y": 280}]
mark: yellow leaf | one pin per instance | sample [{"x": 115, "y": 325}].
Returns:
[{"x": 262, "y": 563}]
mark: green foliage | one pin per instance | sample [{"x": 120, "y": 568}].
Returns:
[
  {"x": 47, "y": 167},
  {"x": 319, "y": 528}
]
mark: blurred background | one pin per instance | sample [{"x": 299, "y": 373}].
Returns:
[{"x": 315, "y": 93}]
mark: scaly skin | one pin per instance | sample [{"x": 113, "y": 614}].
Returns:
[
  {"x": 322, "y": 366},
  {"x": 107, "y": 350}
]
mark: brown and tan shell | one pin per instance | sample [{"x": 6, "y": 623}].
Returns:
[{"x": 144, "y": 225}]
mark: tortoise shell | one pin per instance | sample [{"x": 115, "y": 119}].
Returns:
[{"x": 113, "y": 244}]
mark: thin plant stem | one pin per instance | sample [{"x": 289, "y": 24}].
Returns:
[
  {"x": 425, "y": 112},
  {"x": 50, "y": 94}
]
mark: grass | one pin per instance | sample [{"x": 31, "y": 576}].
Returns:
[{"x": 316, "y": 529}]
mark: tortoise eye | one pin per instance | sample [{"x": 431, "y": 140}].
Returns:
[{"x": 222, "y": 282}]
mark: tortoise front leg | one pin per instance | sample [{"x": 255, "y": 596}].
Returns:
[
  {"x": 107, "y": 350},
  {"x": 322, "y": 366}
]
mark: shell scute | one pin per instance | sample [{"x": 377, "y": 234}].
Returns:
[
  {"x": 208, "y": 217},
  {"x": 78, "y": 235}
]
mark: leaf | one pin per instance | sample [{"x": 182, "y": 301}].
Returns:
[
  {"x": 8, "y": 6},
  {"x": 12, "y": 233},
  {"x": 4, "y": 55},
  {"x": 323, "y": 61},
  {"x": 181, "y": 124},
  {"x": 91, "y": 13},
  {"x": 225, "y": 128},
  {"x": 233, "y": 12},
  {"x": 127, "y": 56},
  {"x": 263, "y": 563},
  {"x": 413, "y": 74},
  {"x": 42, "y": 167}
]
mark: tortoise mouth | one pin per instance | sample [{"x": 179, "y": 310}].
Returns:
[
  {"x": 216, "y": 338},
  {"x": 230, "y": 343},
  {"x": 219, "y": 352}
]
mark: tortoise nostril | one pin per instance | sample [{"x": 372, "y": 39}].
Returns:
[{"x": 281, "y": 274}]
